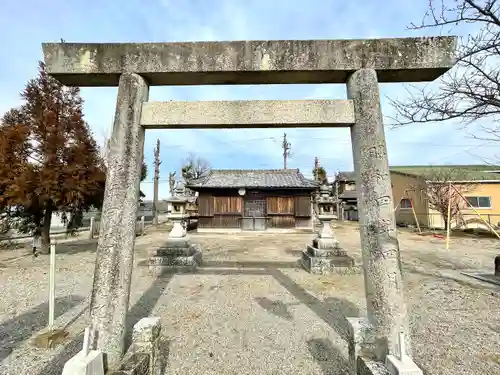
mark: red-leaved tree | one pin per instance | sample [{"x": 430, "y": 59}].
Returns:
[{"x": 49, "y": 161}]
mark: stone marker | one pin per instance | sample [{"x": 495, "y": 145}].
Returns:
[{"x": 497, "y": 266}]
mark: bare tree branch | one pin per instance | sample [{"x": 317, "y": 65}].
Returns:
[
  {"x": 471, "y": 90},
  {"x": 439, "y": 194},
  {"x": 194, "y": 167}
]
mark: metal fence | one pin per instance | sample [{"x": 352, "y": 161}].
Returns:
[
  {"x": 89, "y": 218},
  {"x": 95, "y": 226}
]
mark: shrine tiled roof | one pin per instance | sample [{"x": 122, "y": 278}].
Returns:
[
  {"x": 254, "y": 178},
  {"x": 346, "y": 176}
]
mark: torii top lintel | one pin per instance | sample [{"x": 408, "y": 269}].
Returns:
[{"x": 250, "y": 62}]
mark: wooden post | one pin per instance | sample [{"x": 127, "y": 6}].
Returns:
[
  {"x": 52, "y": 336},
  {"x": 477, "y": 213},
  {"x": 448, "y": 221},
  {"x": 92, "y": 225},
  {"x": 52, "y": 286},
  {"x": 414, "y": 213},
  {"x": 400, "y": 199}
]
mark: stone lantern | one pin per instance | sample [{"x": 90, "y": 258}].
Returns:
[
  {"x": 178, "y": 215},
  {"x": 325, "y": 201},
  {"x": 325, "y": 255},
  {"x": 176, "y": 253}
]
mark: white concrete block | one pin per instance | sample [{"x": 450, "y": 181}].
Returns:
[
  {"x": 81, "y": 364},
  {"x": 405, "y": 366}
]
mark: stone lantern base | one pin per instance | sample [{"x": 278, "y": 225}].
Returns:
[
  {"x": 323, "y": 262},
  {"x": 176, "y": 254},
  {"x": 325, "y": 255}
]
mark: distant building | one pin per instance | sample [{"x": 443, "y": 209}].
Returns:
[
  {"x": 345, "y": 185},
  {"x": 479, "y": 184},
  {"x": 410, "y": 193},
  {"x": 235, "y": 200}
]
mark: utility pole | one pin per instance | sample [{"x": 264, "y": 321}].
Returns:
[
  {"x": 316, "y": 193},
  {"x": 316, "y": 166},
  {"x": 286, "y": 150},
  {"x": 156, "y": 182}
]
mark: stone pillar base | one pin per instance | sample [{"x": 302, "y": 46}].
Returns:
[
  {"x": 360, "y": 341},
  {"x": 366, "y": 366},
  {"x": 325, "y": 255},
  {"x": 145, "y": 355},
  {"x": 176, "y": 255},
  {"x": 361, "y": 347}
]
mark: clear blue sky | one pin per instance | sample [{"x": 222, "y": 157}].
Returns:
[{"x": 24, "y": 25}]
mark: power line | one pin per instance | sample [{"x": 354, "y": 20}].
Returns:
[
  {"x": 461, "y": 152},
  {"x": 340, "y": 160},
  {"x": 428, "y": 144}
]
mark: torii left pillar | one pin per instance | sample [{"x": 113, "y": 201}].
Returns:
[{"x": 115, "y": 250}]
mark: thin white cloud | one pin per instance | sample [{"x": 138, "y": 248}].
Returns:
[{"x": 192, "y": 20}]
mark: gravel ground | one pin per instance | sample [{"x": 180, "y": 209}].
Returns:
[{"x": 251, "y": 310}]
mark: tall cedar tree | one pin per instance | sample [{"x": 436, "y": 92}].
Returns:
[
  {"x": 320, "y": 175},
  {"x": 49, "y": 161}
]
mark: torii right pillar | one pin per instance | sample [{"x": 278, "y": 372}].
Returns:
[{"x": 386, "y": 308}]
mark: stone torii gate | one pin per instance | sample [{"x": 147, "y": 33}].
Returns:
[{"x": 361, "y": 64}]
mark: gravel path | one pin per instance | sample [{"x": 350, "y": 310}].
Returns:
[{"x": 251, "y": 310}]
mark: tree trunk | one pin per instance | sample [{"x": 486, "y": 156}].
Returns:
[
  {"x": 445, "y": 221},
  {"x": 47, "y": 218}
]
